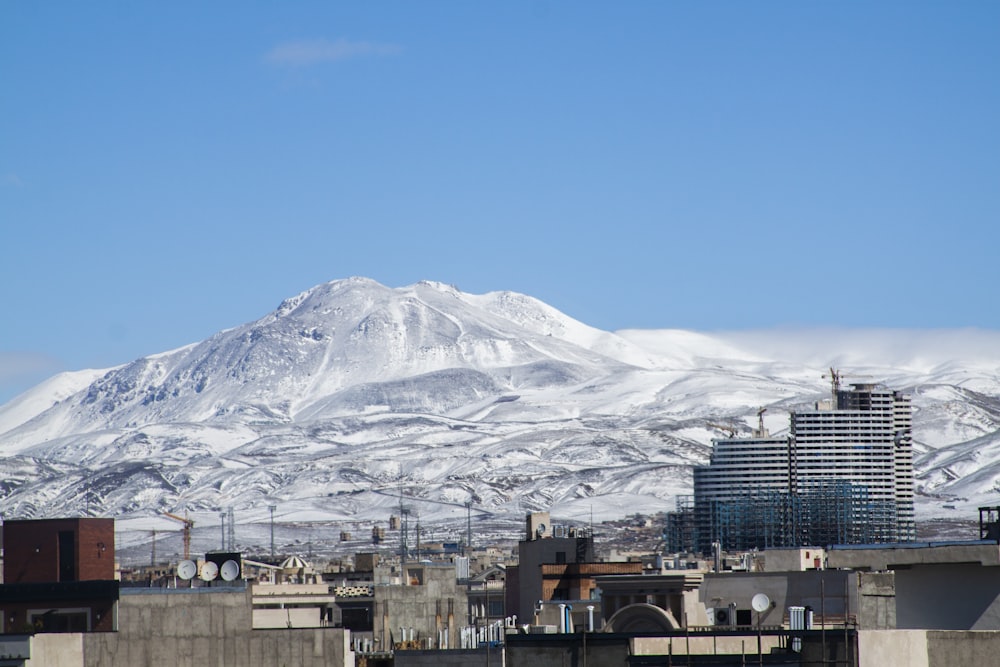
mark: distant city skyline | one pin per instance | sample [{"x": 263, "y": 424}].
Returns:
[{"x": 167, "y": 172}]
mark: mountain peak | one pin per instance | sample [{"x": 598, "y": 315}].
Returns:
[{"x": 351, "y": 390}]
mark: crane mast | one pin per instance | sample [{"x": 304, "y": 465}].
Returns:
[{"x": 188, "y": 525}]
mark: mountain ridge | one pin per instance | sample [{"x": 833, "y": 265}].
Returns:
[{"x": 352, "y": 393}]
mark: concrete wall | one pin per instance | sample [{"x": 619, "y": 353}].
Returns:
[
  {"x": 927, "y": 648},
  {"x": 949, "y": 649},
  {"x": 948, "y": 597},
  {"x": 567, "y": 650},
  {"x": 745, "y": 644},
  {"x": 450, "y": 658},
  {"x": 437, "y": 603},
  {"x": 883, "y": 648},
  {"x": 824, "y": 590},
  {"x": 877, "y": 600},
  {"x": 289, "y": 617},
  {"x": 892, "y": 557},
  {"x": 56, "y": 650},
  {"x": 874, "y": 648},
  {"x": 197, "y": 627},
  {"x": 794, "y": 559}
]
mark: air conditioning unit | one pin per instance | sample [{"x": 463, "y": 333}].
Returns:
[{"x": 723, "y": 616}]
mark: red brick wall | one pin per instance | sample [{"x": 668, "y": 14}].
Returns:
[
  {"x": 577, "y": 579},
  {"x": 95, "y": 549},
  {"x": 31, "y": 549}
]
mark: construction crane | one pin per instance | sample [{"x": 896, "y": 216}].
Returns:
[
  {"x": 731, "y": 429},
  {"x": 188, "y": 525},
  {"x": 761, "y": 431},
  {"x": 836, "y": 377}
]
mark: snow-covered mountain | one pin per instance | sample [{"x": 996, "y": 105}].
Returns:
[{"x": 352, "y": 394}]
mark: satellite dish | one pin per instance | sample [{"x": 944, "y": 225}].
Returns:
[
  {"x": 540, "y": 530},
  {"x": 760, "y": 602},
  {"x": 209, "y": 571},
  {"x": 186, "y": 569},
  {"x": 229, "y": 570}
]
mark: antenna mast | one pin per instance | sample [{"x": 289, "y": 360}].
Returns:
[
  {"x": 468, "y": 528},
  {"x": 271, "y": 509}
]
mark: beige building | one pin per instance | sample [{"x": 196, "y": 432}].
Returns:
[{"x": 191, "y": 627}]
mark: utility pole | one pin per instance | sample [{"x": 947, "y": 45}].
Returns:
[
  {"x": 468, "y": 527},
  {"x": 271, "y": 509},
  {"x": 404, "y": 533}
]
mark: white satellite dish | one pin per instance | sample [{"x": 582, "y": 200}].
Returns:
[
  {"x": 209, "y": 571},
  {"x": 229, "y": 570},
  {"x": 760, "y": 602},
  {"x": 186, "y": 569}
]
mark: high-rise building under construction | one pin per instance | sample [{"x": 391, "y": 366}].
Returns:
[{"x": 843, "y": 475}]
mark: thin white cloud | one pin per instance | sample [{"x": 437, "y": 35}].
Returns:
[
  {"x": 19, "y": 364},
  {"x": 21, "y": 370},
  {"x": 918, "y": 350},
  {"x": 303, "y": 53},
  {"x": 13, "y": 180}
]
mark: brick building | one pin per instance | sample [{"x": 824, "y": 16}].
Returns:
[
  {"x": 59, "y": 575},
  {"x": 556, "y": 563}
]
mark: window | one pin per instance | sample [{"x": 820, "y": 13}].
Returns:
[
  {"x": 60, "y": 620},
  {"x": 67, "y": 556}
]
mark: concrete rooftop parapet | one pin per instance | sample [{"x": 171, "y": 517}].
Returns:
[{"x": 889, "y": 557}]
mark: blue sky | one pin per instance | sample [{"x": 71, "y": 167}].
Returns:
[{"x": 168, "y": 170}]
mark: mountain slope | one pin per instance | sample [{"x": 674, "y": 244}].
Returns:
[{"x": 352, "y": 394}]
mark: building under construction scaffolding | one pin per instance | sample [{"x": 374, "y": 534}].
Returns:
[
  {"x": 836, "y": 512},
  {"x": 844, "y": 475}
]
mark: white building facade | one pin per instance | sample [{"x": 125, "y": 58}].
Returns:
[{"x": 843, "y": 475}]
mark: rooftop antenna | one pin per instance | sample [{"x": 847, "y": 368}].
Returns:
[
  {"x": 760, "y": 603},
  {"x": 209, "y": 571},
  {"x": 187, "y": 569},
  {"x": 152, "y": 556},
  {"x": 229, "y": 570},
  {"x": 222, "y": 516}
]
